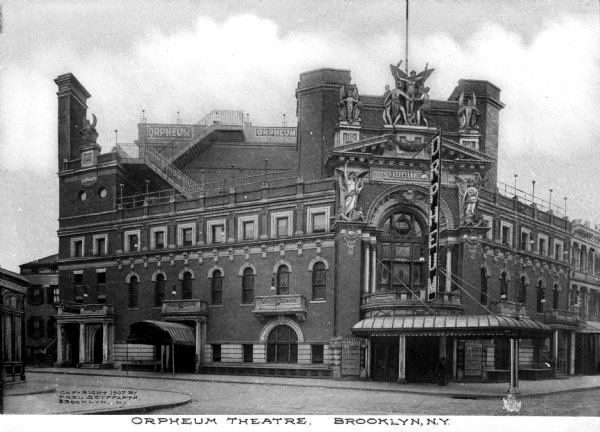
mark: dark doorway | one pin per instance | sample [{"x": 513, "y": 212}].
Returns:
[
  {"x": 384, "y": 358},
  {"x": 97, "y": 353},
  {"x": 185, "y": 358},
  {"x": 71, "y": 354},
  {"x": 422, "y": 356}
]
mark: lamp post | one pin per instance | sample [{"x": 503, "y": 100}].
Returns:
[
  {"x": 116, "y": 132},
  {"x": 516, "y": 175},
  {"x": 121, "y": 186},
  {"x": 533, "y": 191},
  {"x": 550, "y": 203}
]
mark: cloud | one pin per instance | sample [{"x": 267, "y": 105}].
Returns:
[{"x": 549, "y": 80}]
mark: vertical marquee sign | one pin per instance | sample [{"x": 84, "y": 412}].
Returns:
[{"x": 434, "y": 215}]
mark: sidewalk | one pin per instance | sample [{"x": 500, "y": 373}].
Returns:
[{"x": 454, "y": 390}]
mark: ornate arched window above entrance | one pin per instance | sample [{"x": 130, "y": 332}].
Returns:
[
  {"x": 401, "y": 251},
  {"x": 282, "y": 345}
]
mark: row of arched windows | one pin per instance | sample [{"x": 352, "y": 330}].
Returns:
[
  {"x": 521, "y": 291},
  {"x": 281, "y": 284}
]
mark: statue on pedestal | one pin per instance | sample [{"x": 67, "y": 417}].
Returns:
[
  {"x": 349, "y": 104},
  {"x": 351, "y": 184},
  {"x": 471, "y": 216},
  {"x": 408, "y": 103},
  {"x": 468, "y": 114},
  {"x": 89, "y": 133}
]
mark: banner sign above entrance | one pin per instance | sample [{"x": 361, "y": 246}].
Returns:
[
  {"x": 276, "y": 131},
  {"x": 391, "y": 175},
  {"x": 434, "y": 215}
]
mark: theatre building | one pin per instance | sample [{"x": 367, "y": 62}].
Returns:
[{"x": 372, "y": 241}]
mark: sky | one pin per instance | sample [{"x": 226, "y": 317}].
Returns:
[{"x": 195, "y": 56}]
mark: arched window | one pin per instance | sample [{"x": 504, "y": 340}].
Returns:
[
  {"x": 283, "y": 280},
  {"x": 186, "y": 286},
  {"x": 582, "y": 259},
  {"x": 540, "y": 297},
  {"x": 522, "y": 295},
  {"x": 216, "y": 287},
  {"x": 401, "y": 249},
  {"x": 248, "y": 285},
  {"x": 503, "y": 286},
  {"x": 573, "y": 298},
  {"x": 133, "y": 291},
  {"x": 555, "y": 296},
  {"x": 282, "y": 345},
  {"x": 484, "y": 288},
  {"x": 318, "y": 281},
  {"x": 159, "y": 289}
]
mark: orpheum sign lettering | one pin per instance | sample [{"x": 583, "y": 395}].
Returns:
[
  {"x": 434, "y": 215},
  {"x": 157, "y": 131},
  {"x": 276, "y": 132}
]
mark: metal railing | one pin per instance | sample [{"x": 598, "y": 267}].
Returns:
[
  {"x": 527, "y": 198},
  {"x": 224, "y": 117}
]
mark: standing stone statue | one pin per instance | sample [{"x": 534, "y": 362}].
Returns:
[
  {"x": 89, "y": 133},
  {"x": 468, "y": 114},
  {"x": 349, "y": 104},
  {"x": 351, "y": 185}
]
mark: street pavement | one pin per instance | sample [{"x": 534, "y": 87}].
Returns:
[{"x": 164, "y": 393}]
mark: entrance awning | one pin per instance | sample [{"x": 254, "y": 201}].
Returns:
[
  {"x": 161, "y": 332},
  {"x": 451, "y": 325},
  {"x": 589, "y": 327}
]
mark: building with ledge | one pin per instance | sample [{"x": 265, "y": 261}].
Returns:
[
  {"x": 584, "y": 296},
  {"x": 13, "y": 289},
  {"x": 222, "y": 246},
  {"x": 40, "y": 309}
]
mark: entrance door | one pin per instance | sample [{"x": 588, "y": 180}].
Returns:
[
  {"x": 384, "y": 358},
  {"x": 422, "y": 356},
  {"x": 97, "y": 354}
]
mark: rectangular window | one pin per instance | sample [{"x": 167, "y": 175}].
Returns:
[
  {"x": 525, "y": 243},
  {"x": 248, "y": 350},
  {"x": 188, "y": 236},
  {"x": 489, "y": 223},
  {"x": 159, "y": 240},
  {"x": 77, "y": 247},
  {"x": 282, "y": 226},
  {"x": 132, "y": 241},
  {"x": 506, "y": 233},
  {"x": 36, "y": 295},
  {"x": 101, "y": 286},
  {"x": 319, "y": 223},
  {"x": 100, "y": 245},
  {"x": 216, "y": 352},
  {"x": 218, "y": 233},
  {"x": 542, "y": 245},
  {"x": 55, "y": 294},
  {"x": 248, "y": 230},
  {"x": 558, "y": 250},
  {"x": 51, "y": 327},
  {"x": 37, "y": 328},
  {"x": 316, "y": 352}
]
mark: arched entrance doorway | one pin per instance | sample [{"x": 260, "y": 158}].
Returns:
[{"x": 282, "y": 345}]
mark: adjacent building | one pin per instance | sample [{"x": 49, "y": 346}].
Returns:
[
  {"x": 43, "y": 296},
  {"x": 373, "y": 240},
  {"x": 13, "y": 289}
]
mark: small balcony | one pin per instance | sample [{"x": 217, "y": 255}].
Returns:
[
  {"x": 182, "y": 309},
  {"x": 276, "y": 305},
  {"x": 405, "y": 303},
  {"x": 558, "y": 316},
  {"x": 509, "y": 309}
]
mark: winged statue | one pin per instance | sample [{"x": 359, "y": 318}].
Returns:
[
  {"x": 89, "y": 133},
  {"x": 410, "y": 95},
  {"x": 468, "y": 114},
  {"x": 351, "y": 184}
]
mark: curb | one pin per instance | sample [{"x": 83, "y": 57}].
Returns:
[{"x": 452, "y": 395}]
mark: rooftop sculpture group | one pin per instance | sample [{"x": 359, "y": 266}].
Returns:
[{"x": 408, "y": 103}]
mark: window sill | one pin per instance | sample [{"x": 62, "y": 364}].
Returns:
[
  {"x": 246, "y": 304},
  {"x": 318, "y": 301},
  {"x": 215, "y": 306}
]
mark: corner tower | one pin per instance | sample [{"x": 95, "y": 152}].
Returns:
[{"x": 318, "y": 97}]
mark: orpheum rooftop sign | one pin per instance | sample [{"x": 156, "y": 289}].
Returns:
[{"x": 165, "y": 131}]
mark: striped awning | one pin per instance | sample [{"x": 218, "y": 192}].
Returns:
[
  {"x": 589, "y": 327},
  {"x": 451, "y": 325},
  {"x": 161, "y": 332}
]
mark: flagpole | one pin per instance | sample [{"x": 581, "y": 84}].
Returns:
[{"x": 406, "y": 42}]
